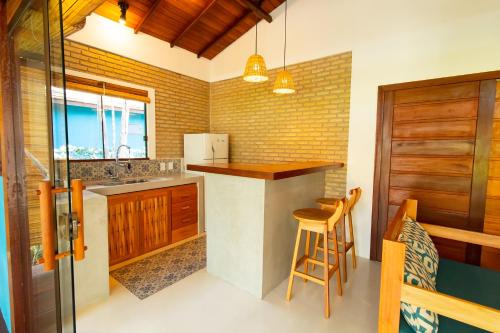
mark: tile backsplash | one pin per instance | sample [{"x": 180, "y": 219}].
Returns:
[{"x": 97, "y": 170}]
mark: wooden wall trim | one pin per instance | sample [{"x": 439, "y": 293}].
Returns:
[
  {"x": 383, "y": 170},
  {"x": 485, "y": 113},
  {"x": 16, "y": 223},
  {"x": 376, "y": 177}
]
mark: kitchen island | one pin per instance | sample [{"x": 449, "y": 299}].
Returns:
[{"x": 248, "y": 217}]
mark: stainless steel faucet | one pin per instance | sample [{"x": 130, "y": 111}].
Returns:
[{"x": 117, "y": 160}]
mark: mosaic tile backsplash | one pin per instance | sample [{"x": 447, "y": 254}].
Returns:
[{"x": 100, "y": 170}]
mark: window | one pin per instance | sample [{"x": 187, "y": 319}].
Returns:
[{"x": 98, "y": 124}]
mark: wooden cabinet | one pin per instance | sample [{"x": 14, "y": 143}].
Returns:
[
  {"x": 123, "y": 229},
  {"x": 140, "y": 222},
  {"x": 154, "y": 218},
  {"x": 184, "y": 213}
]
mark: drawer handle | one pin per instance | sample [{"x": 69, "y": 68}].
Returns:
[
  {"x": 186, "y": 219},
  {"x": 185, "y": 207}
]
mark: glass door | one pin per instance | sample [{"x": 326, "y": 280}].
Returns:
[{"x": 54, "y": 237}]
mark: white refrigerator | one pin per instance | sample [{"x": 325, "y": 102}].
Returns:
[{"x": 206, "y": 148}]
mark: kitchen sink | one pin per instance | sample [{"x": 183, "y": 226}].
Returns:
[{"x": 123, "y": 182}]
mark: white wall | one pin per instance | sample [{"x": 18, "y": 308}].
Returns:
[
  {"x": 392, "y": 41},
  {"x": 107, "y": 35},
  {"x": 315, "y": 29},
  {"x": 414, "y": 40}
]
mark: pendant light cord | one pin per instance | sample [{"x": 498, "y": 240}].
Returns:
[
  {"x": 284, "y": 49},
  {"x": 256, "y": 37}
]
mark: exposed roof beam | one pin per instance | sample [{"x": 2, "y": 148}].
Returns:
[
  {"x": 186, "y": 30},
  {"x": 225, "y": 33},
  {"x": 145, "y": 17},
  {"x": 256, "y": 9}
]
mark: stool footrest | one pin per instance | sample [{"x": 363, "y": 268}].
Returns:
[
  {"x": 309, "y": 277},
  {"x": 305, "y": 258},
  {"x": 348, "y": 245}
]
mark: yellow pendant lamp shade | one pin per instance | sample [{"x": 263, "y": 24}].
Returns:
[
  {"x": 255, "y": 70},
  {"x": 284, "y": 83}
]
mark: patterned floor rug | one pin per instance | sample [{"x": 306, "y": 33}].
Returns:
[{"x": 148, "y": 276}]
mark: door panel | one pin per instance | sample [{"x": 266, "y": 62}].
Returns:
[
  {"x": 431, "y": 199},
  {"x": 433, "y": 165},
  {"x": 123, "y": 228},
  {"x": 435, "y": 129},
  {"x": 436, "y": 111},
  {"x": 154, "y": 216},
  {"x": 431, "y": 182},
  {"x": 431, "y": 146},
  {"x": 38, "y": 75},
  {"x": 437, "y": 93}
]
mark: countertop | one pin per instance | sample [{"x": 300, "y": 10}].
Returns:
[
  {"x": 265, "y": 171},
  {"x": 177, "y": 179}
]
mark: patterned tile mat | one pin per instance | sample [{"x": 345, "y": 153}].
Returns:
[{"x": 146, "y": 277}]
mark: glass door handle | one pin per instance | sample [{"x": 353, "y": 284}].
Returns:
[
  {"x": 45, "y": 193},
  {"x": 77, "y": 208}
]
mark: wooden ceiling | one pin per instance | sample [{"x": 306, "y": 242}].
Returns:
[{"x": 204, "y": 27}]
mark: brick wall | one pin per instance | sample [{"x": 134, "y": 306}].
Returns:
[
  {"x": 312, "y": 124},
  {"x": 263, "y": 127},
  {"x": 182, "y": 102}
]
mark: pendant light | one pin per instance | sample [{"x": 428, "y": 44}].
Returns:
[
  {"x": 255, "y": 70},
  {"x": 284, "y": 82},
  {"x": 123, "y": 11}
]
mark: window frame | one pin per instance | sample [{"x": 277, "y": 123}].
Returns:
[{"x": 149, "y": 109}]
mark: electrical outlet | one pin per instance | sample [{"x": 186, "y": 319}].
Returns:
[
  {"x": 170, "y": 165},
  {"x": 162, "y": 166}
]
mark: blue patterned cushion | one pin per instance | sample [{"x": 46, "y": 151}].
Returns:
[
  {"x": 415, "y": 237},
  {"x": 419, "y": 319}
]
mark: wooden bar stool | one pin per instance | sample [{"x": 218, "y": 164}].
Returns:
[
  {"x": 320, "y": 222},
  {"x": 329, "y": 204}
]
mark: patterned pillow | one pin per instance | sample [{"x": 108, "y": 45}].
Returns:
[
  {"x": 415, "y": 237},
  {"x": 419, "y": 319}
]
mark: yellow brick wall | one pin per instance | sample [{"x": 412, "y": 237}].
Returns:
[
  {"x": 182, "y": 102},
  {"x": 263, "y": 127},
  {"x": 311, "y": 124}
]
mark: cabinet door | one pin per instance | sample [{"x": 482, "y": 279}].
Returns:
[
  {"x": 123, "y": 228},
  {"x": 154, "y": 212}
]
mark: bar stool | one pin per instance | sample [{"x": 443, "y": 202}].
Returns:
[
  {"x": 328, "y": 204},
  {"x": 320, "y": 222}
]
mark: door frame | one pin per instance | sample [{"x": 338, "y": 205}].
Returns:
[
  {"x": 380, "y": 182},
  {"x": 16, "y": 223}
]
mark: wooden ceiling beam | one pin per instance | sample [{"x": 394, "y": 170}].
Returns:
[
  {"x": 225, "y": 33},
  {"x": 192, "y": 24},
  {"x": 256, "y": 9},
  {"x": 148, "y": 14}
]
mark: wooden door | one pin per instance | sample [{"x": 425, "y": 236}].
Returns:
[
  {"x": 433, "y": 146},
  {"x": 123, "y": 227},
  {"x": 154, "y": 218}
]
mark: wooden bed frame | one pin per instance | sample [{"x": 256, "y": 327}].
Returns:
[{"x": 393, "y": 290}]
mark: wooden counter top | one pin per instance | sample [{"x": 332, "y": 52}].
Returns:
[{"x": 265, "y": 171}]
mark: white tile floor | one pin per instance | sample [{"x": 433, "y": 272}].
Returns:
[{"x": 204, "y": 303}]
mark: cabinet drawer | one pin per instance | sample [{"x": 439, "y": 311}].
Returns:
[
  {"x": 181, "y": 220},
  {"x": 184, "y": 193},
  {"x": 184, "y": 232},
  {"x": 184, "y": 207}
]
